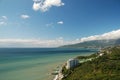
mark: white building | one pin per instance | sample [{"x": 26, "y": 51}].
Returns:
[
  {"x": 71, "y": 63},
  {"x": 101, "y": 54}
]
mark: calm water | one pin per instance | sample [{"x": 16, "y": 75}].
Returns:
[{"x": 34, "y": 63}]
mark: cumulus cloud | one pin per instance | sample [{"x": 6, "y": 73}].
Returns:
[
  {"x": 3, "y": 23},
  {"x": 45, "y": 5},
  {"x": 23, "y": 16},
  {"x": 3, "y": 20},
  {"x": 106, "y": 36},
  {"x": 4, "y": 17},
  {"x": 60, "y": 22}
]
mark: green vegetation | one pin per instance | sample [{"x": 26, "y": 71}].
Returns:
[{"x": 105, "y": 67}]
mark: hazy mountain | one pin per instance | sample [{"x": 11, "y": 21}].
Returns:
[{"x": 94, "y": 44}]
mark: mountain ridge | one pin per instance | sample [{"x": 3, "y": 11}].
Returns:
[{"x": 94, "y": 44}]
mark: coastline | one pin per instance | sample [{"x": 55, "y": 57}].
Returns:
[
  {"x": 60, "y": 75},
  {"x": 56, "y": 77},
  {"x": 100, "y": 63},
  {"x": 40, "y": 66}
]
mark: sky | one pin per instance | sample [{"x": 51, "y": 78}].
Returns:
[{"x": 51, "y": 23}]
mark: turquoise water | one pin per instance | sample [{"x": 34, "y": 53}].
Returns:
[{"x": 34, "y": 64}]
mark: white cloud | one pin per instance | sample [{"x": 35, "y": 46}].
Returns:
[
  {"x": 4, "y": 17},
  {"x": 106, "y": 36},
  {"x": 23, "y": 16},
  {"x": 45, "y": 5},
  {"x": 50, "y": 25},
  {"x": 60, "y": 22},
  {"x": 31, "y": 42},
  {"x": 2, "y": 23},
  {"x": 55, "y": 42},
  {"x": 3, "y": 20}
]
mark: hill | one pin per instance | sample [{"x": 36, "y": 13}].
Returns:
[
  {"x": 94, "y": 44},
  {"x": 101, "y": 67}
]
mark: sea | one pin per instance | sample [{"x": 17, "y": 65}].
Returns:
[{"x": 35, "y": 63}]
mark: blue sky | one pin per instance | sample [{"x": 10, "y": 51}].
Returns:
[{"x": 55, "y": 22}]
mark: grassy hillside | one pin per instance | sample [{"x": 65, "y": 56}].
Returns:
[{"x": 105, "y": 67}]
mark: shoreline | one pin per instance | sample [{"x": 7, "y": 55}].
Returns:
[
  {"x": 56, "y": 77},
  {"x": 59, "y": 76}
]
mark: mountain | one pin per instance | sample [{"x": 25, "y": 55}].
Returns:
[
  {"x": 100, "y": 67},
  {"x": 117, "y": 42},
  {"x": 94, "y": 44}
]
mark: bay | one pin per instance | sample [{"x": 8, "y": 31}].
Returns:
[{"x": 35, "y": 63}]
